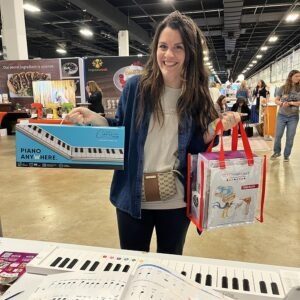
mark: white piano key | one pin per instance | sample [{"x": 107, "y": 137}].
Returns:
[
  {"x": 222, "y": 272},
  {"x": 203, "y": 272},
  {"x": 276, "y": 279},
  {"x": 195, "y": 271},
  {"x": 248, "y": 274},
  {"x": 256, "y": 279},
  {"x": 212, "y": 270}
]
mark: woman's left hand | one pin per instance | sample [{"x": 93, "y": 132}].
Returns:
[{"x": 230, "y": 119}]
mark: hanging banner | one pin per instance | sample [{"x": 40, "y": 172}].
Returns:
[
  {"x": 111, "y": 74},
  {"x": 16, "y": 77}
]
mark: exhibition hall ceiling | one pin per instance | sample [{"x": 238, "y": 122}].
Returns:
[{"x": 235, "y": 29}]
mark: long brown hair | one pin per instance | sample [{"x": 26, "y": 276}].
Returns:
[
  {"x": 289, "y": 84},
  {"x": 93, "y": 86},
  {"x": 220, "y": 102},
  {"x": 195, "y": 100}
]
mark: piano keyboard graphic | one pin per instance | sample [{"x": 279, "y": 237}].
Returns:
[
  {"x": 242, "y": 282},
  {"x": 71, "y": 152}
]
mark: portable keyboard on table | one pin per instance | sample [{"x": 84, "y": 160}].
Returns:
[{"x": 243, "y": 281}]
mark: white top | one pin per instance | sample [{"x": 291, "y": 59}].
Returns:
[
  {"x": 161, "y": 146},
  {"x": 214, "y": 93}
]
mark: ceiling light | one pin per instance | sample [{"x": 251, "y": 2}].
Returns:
[
  {"x": 61, "y": 51},
  {"x": 254, "y": 61},
  {"x": 251, "y": 65},
  {"x": 31, "y": 7},
  {"x": 264, "y": 48},
  {"x": 140, "y": 55},
  {"x": 86, "y": 32},
  {"x": 292, "y": 17},
  {"x": 206, "y": 58},
  {"x": 273, "y": 38},
  {"x": 208, "y": 63},
  {"x": 259, "y": 56}
]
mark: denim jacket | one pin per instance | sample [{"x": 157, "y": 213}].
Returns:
[{"x": 126, "y": 185}]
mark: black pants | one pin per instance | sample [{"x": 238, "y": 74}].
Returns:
[{"x": 171, "y": 227}]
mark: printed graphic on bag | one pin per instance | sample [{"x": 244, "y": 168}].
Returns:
[{"x": 232, "y": 194}]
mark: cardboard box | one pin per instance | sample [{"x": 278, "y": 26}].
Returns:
[{"x": 69, "y": 146}]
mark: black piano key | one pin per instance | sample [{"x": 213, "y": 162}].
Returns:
[
  {"x": 58, "y": 142},
  {"x": 90, "y": 150},
  {"x": 85, "y": 265},
  {"x": 121, "y": 151},
  {"x": 225, "y": 282},
  {"x": 274, "y": 288},
  {"x": 126, "y": 268},
  {"x": 76, "y": 149},
  {"x": 40, "y": 130},
  {"x": 64, "y": 144},
  {"x": 99, "y": 150},
  {"x": 208, "y": 280},
  {"x": 198, "y": 277},
  {"x": 68, "y": 147},
  {"x": 183, "y": 273},
  {"x": 81, "y": 150},
  {"x": 235, "y": 283},
  {"x": 34, "y": 128},
  {"x": 56, "y": 261},
  {"x": 263, "y": 287},
  {"x": 47, "y": 135},
  {"x": 246, "y": 286},
  {"x": 113, "y": 151},
  {"x": 108, "y": 266},
  {"x": 108, "y": 151},
  {"x": 51, "y": 137},
  {"x": 64, "y": 262},
  {"x": 117, "y": 267},
  {"x": 94, "y": 266},
  {"x": 72, "y": 263},
  {"x": 94, "y": 150},
  {"x": 29, "y": 126}
]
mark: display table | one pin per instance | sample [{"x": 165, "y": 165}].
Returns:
[{"x": 260, "y": 277}]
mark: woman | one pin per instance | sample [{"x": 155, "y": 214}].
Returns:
[
  {"x": 241, "y": 106},
  {"x": 214, "y": 91},
  {"x": 221, "y": 105},
  {"x": 243, "y": 91},
  {"x": 167, "y": 112},
  {"x": 288, "y": 100},
  {"x": 95, "y": 97},
  {"x": 259, "y": 91}
]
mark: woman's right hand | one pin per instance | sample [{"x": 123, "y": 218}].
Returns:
[{"x": 84, "y": 116}]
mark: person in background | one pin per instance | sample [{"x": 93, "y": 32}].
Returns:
[
  {"x": 243, "y": 91},
  {"x": 241, "y": 106},
  {"x": 214, "y": 92},
  {"x": 259, "y": 91},
  {"x": 167, "y": 113},
  {"x": 288, "y": 100},
  {"x": 221, "y": 105},
  {"x": 95, "y": 97}
]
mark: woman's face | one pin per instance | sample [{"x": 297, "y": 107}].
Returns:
[
  {"x": 170, "y": 56},
  {"x": 224, "y": 101},
  {"x": 296, "y": 78},
  {"x": 259, "y": 83},
  {"x": 87, "y": 88}
]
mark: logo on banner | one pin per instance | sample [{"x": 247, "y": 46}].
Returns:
[{"x": 97, "y": 63}]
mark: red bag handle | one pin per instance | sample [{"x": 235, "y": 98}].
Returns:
[{"x": 234, "y": 141}]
